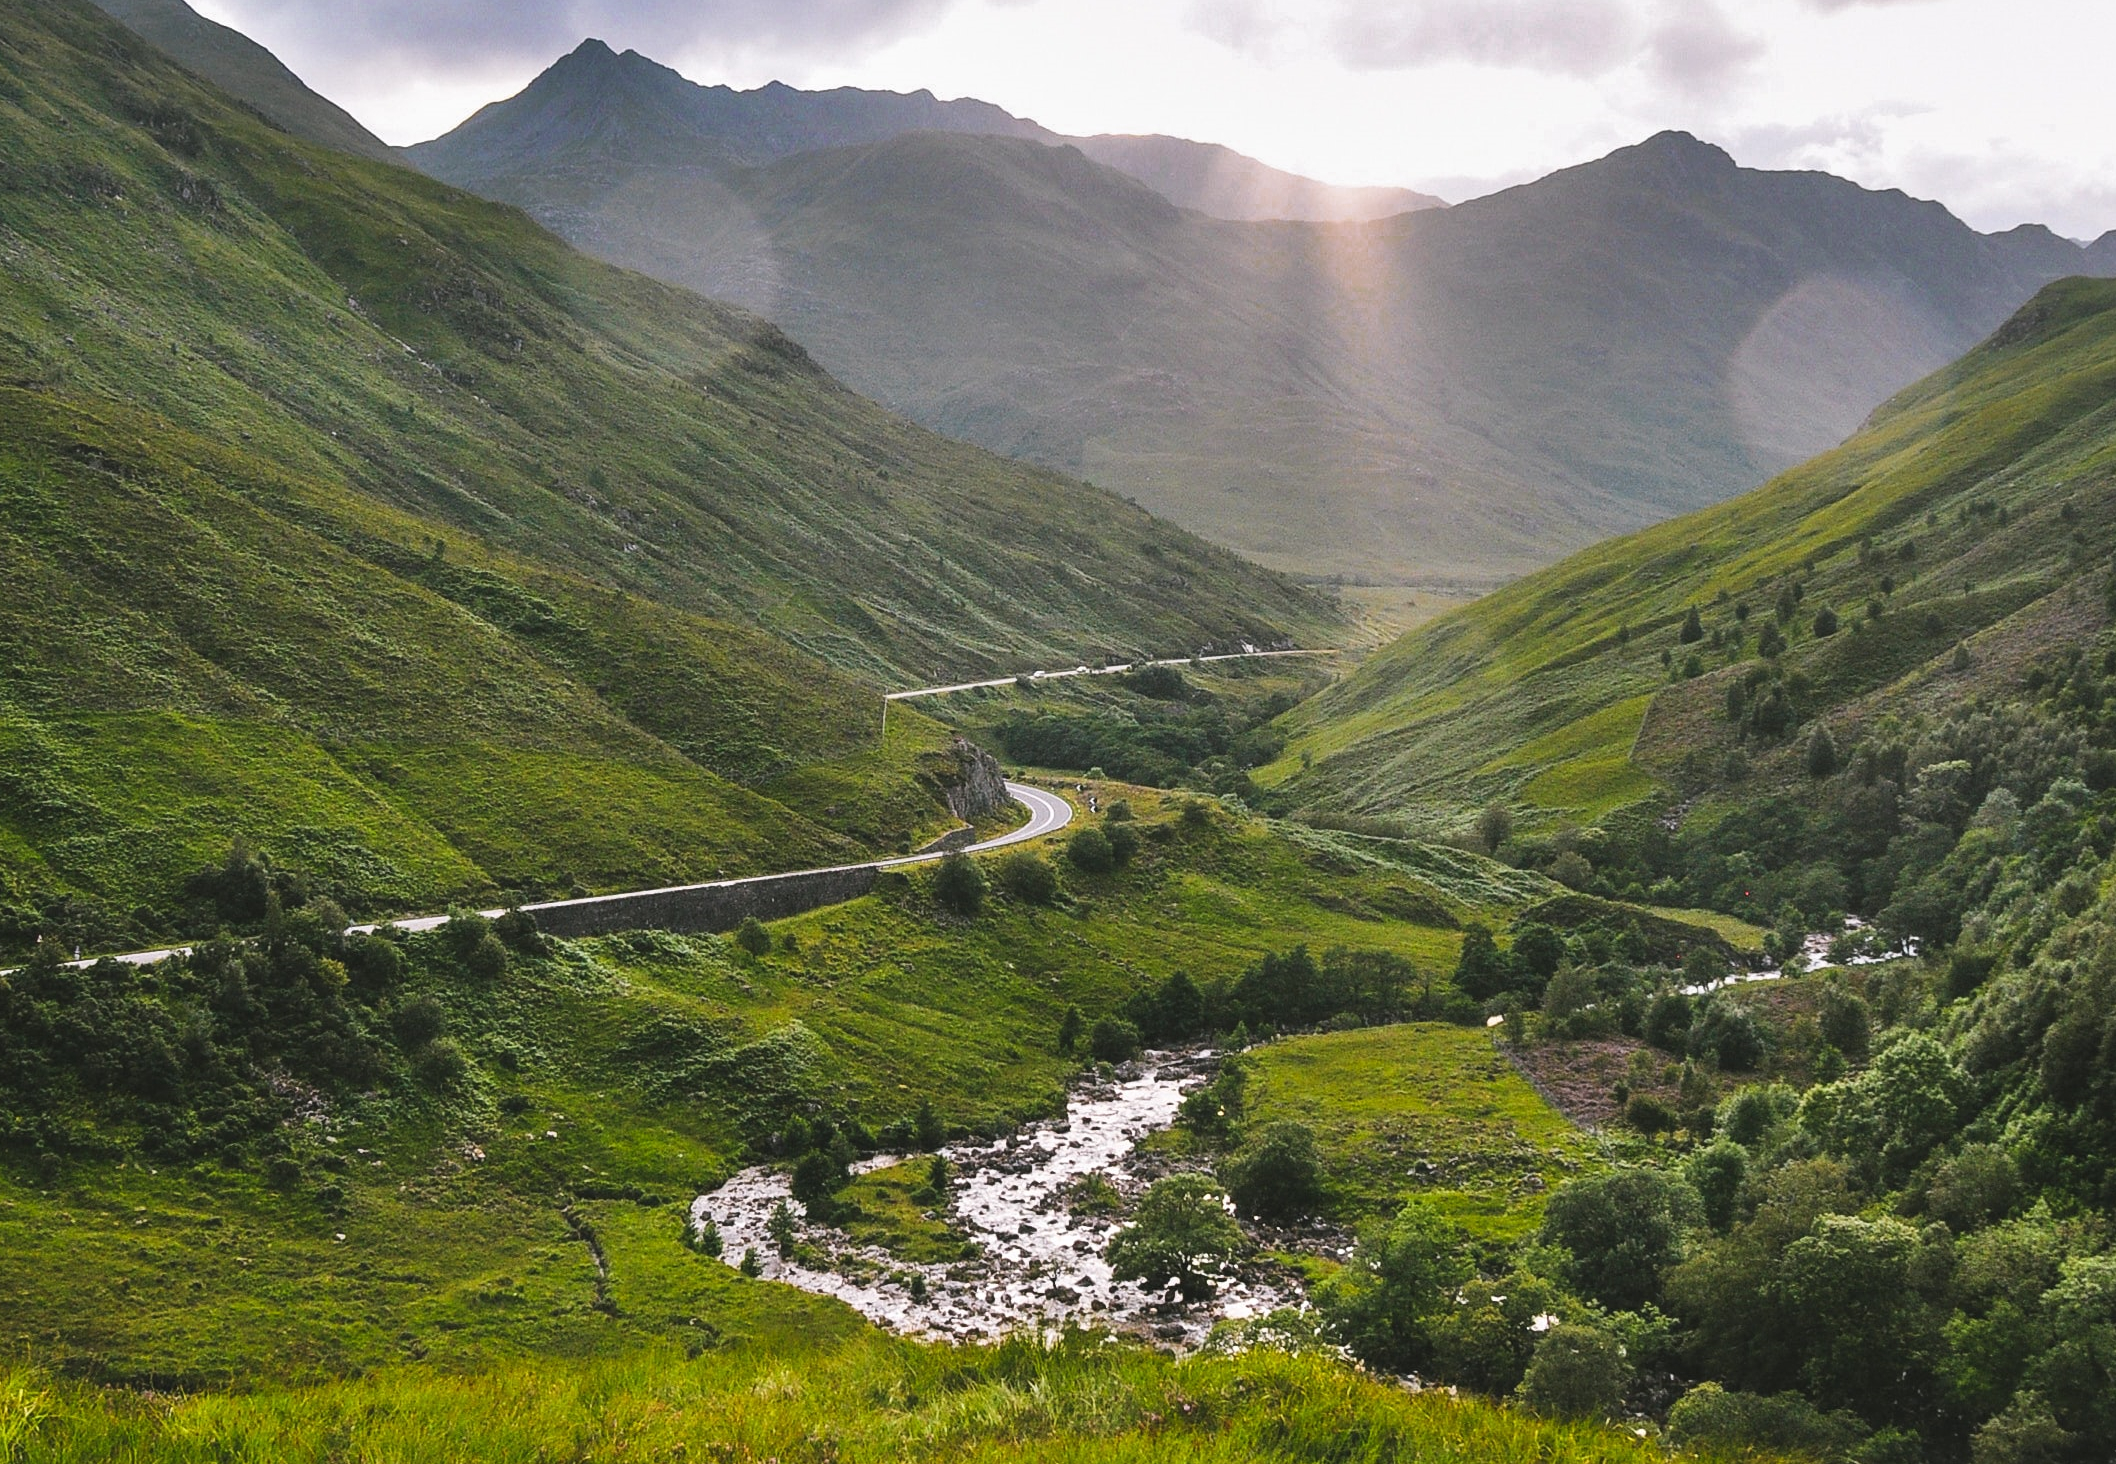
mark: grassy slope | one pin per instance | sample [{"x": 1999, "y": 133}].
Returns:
[
  {"x": 1537, "y": 696},
  {"x": 1383, "y": 1099},
  {"x": 366, "y": 520},
  {"x": 222, "y": 275},
  {"x": 653, "y": 1060}
]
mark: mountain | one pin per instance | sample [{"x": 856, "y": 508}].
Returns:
[
  {"x": 1223, "y": 183},
  {"x": 599, "y": 102},
  {"x": 363, "y": 520},
  {"x": 1455, "y": 395},
  {"x": 238, "y": 65},
  {"x": 1918, "y": 573}
]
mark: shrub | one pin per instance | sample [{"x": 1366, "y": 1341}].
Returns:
[
  {"x": 959, "y": 885},
  {"x": 1623, "y": 1230},
  {"x": 1481, "y": 971},
  {"x": 1693, "y": 629},
  {"x": 1821, "y": 753},
  {"x": 816, "y": 1181},
  {"x": 1182, "y": 1234},
  {"x": 752, "y": 937},
  {"x": 440, "y": 1064},
  {"x": 1727, "y": 1034},
  {"x": 517, "y": 930},
  {"x": 1717, "y": 1172},
  {"x": 927, "y": 1131},
  {"x": 487, "y": 959},
  {"x": 1276, "y": 1176},
  {"x": 1787, "y": 1423},
  {"x": 1119, "y": 811},
  {"x": 1113, "y": 1040},
  {"x": 1577, "y": 1372},
  {"x": 708, "y": 1240},
  {"x": 1649, "y": 1115},
  {"x": 1845, "y": 1022},
  {"x": 1070, "y": 1028},
  {"x": 1123, "y": 842},
  {"x": 751, "y": 1266},
  {"x": 1028, "y": 877},
  {"x": 1572, "y": 870},
  {"x": 780, "y": 1227},
  {"x": 1667, "y": 1023},
  {"x": 1825, "y": 622},
  {"x": 1494, "y": 827},
  {"x": 418, "y": 1022},
  {"x": 1090, "y": 852},
  {"x": 1401, "y": 1281}
]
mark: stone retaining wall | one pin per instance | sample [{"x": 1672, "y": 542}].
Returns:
[{"x": 713, "y": 908}]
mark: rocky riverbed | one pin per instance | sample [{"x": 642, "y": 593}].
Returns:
[{"x": 1039, "y": 1264}]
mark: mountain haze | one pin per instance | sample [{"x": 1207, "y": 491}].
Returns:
[
  {"x": 1962, "y": 535},
  {"x": 1453, "y": 394}
]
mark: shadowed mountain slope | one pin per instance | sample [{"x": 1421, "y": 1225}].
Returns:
[
  {"x": 239, "y": 66},
  {"x": 1450, "y": 394},
  {"x": 363, "y": 519}
]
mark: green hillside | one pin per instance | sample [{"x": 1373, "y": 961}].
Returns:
[
  {"x": 1960, "y": 538},
  {"x": 365, "y": 521},
  {"x": 232, "y": 61}
]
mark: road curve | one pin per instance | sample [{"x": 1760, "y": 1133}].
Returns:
[{"x": 1048, "y": 813}]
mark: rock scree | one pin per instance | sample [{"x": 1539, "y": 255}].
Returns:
[{"x": 1039, "y": 1264}]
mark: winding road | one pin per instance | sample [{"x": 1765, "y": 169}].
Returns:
[{"x": 1048, "y": 813}]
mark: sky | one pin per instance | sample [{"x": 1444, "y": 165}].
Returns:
[{"x": 1998, "y": 108}]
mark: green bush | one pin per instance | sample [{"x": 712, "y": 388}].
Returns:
[
  {"x": 1113, "y": 1040},
  {"x": 1090, "y": 852},
  {"x": 1786, "y": 1423},
  {"x": 1276, "y": 1176},
  {"x": 1578, "y": 1372},
  {"x": 752, "y": 937},
  {"x": 959, "y": 885},
  {"x": 1028, "y": 877},
  {"x": 1402, "y": 1279}
]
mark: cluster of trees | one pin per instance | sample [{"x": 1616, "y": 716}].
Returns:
[
  {"x": 1278, "y": 993},
  {"x": 1178, "y": 735},
  {"x": 179, "y": 1060}
]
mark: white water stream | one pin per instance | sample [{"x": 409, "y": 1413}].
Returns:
[{"x": 1039, "y": 1265}]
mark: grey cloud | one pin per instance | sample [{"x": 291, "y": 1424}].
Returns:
[
  {"x": 1571, "y": 37},
  {"x": 441, "y": 35},
  {"x": 1699, "y": 48}
]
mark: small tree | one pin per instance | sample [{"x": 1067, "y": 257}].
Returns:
[
  {"x": 780, "y": 1227},
  {"x": 709, "y": 1242},
  {"x": 1276, "y": 1176},
  {"x": 927, "y": 1131},
  {"x": 1183, "y": 1236},
  {"x": 1070, "y": 1028},
  {"x": 1821, "y": 753},
  {"x": 1090, "y": 852},
  {"x": 1649, "y": 1115},
  {"x": 1572, "y": 869},
  {"x": 1494, "y": 827},
  {"x": 753, "y": 937},
  {"x": 960, "y": 885},
  {"x": 1825, "y": 623},
  {"x": 751, "y": 1266},
  {"x": 816, "y": 1181},
  {"x": 1578, "y": 1372},
  {"x": 1028, "y": 877},
  {"x": 1480, "y": 972},
  {"x": 1401, "y": 1280},
  {"x": 1113, "y": 1040},
  {"x": 1693, "y": 629}
]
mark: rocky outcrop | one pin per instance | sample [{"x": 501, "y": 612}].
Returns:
[{"x": 975, "y": 788}]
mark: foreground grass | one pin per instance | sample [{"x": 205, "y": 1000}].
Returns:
[{"x": 877, "y": 1399}]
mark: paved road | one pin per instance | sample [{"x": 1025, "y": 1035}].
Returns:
[
  {"x": 1095, "y": 671},
  {"x": 1048, "y": 813}
]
